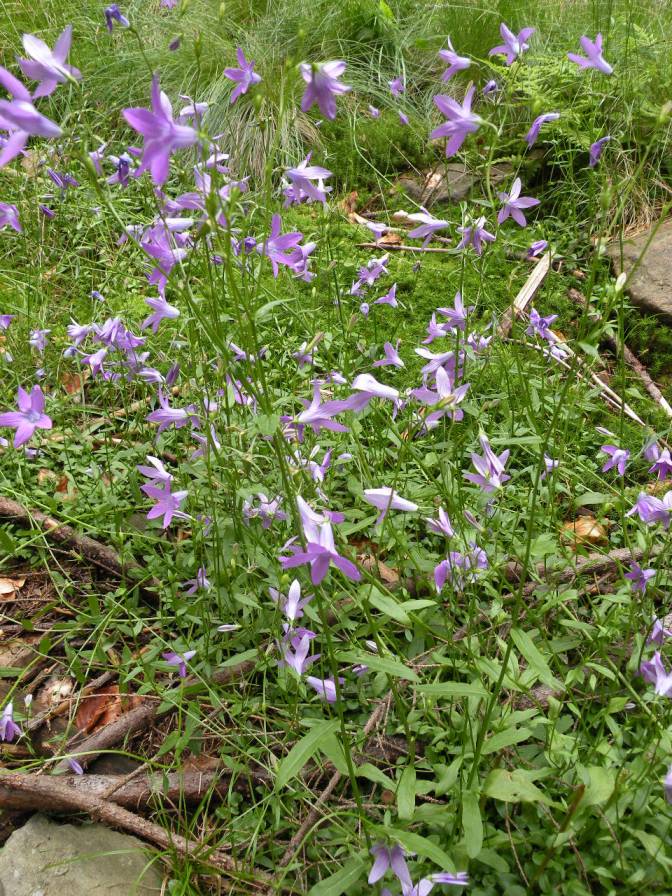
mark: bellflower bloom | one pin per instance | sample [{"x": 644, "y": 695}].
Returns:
[
  {"x": 179, "y": 660},
  {"x": 662, "y": 465},
  {"x": 47, "y": 66},
  {"x": 514, "y": 44},
  {"x": 200, "y": 583},
  {"x": 29, "y": 417},
  {"x": 458, "y": 314},
  {"x": 323, "y": 86},
  {"x": 652, "y": 510},
  {"x": 403, "y": 118},
  {"x": 292, "y": 605},
  {"x": 539, "y": 326},
  {"x": 461, "y": 121},
  {"x": 444, "y": 400},
  {"x": 397, "y": 87},
  {"x": 427, "y": 884},
  {"x": 5, "y": 321},
  {"x": 537, "y": 248},
  {"x": 386, "y": 499},
  {"x": 475, "y": 235},
  {"x": 324, "y": 687},
  {"x": 369, "y": 387},
  {"x": 593, "y": 58},
  {"x": 302, "y": 187},
  {"x": 320, "y": 551},
  {"x": 167, "y": 503},
  {"x": 244, "y": 76},
  {"x": 167, "y": 416},
  {"x": 442, "y": 526},
  {"x": 617, "y": 457},
  {"x": 428, "y": 225},
  {"x": 490, "y": 88},
  {"x": 455, "y": 63},
  {"x": 295, "y": 650},
  {"x": 267, "y": 511},
  {"x": 113, "y": 14},
  {"x": 639, "y": 577},
  {"x": 550, "y": 465},
  {"x": 319, "y": 415},
  {"x": 514, "y": 204},
  {"x": 391, "y": 358},
  {"x": 20, "y": 117},
  {"x": 596, "y": 149},
  {"x": 655, "y": 673},
  {"x": 390, "y": 297},
  {"x": 658, "y": 634},
  {"x": 391, "y": 858},
  {"x": 156, "y": 472},
  {"x": 667, "y": 785},
  {"x": 161, "y": 310},
  {"x": 8, "y": 727},
  {"x": 490, "y": 473},
  {"x": 9, "y": 216},
  {"x": 533, "y": 134},
  {"x": 161, "y": 133},
  {"x": 460, "y": 568},
  {"x": 279, "y": 247}
]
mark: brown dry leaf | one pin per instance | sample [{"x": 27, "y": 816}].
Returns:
[
  {"x": 54, "y": 691},
  {"x": 584, "y": 530},
  {"x": 387, "y": 575},
  {"x": 9, "y": 587},
  {"x": 349, "y": 204},
  {"x": 73, "y": 383},
  {"x": 102, "y": 707},
  {"x": 30, "y": 162},
  {"x": 45, "y": 475},
  {"x": 390, "y": 239}
]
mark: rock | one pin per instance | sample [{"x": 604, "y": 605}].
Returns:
[
  {"x": 451, "y": 182},
  {"x": 651, "y": 285},
  {"x": 44, "y": 858}
]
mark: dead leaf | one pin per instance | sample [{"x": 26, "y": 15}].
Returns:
[
  {"x": 9, "y": 587},
  {"x": 102, "y": 707},
  {"x": 584, "y": 530},
  {"x": 54, "y": 691},
  {"x": 349, "y": 204},
  {"x": 45, "y": 475},
  {"x": 387, "y": 575},
  {"x": 73, "y": 383},
  {"x": 390, "y": 239}
]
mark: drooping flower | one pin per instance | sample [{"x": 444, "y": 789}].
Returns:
[
  {"x": 639, "y": 577},
  {"x": 461, "y": 121},
  {"x": 295, "y": 650},
  {"x": 425, "y": 886},
  {"x": 20, "y": 117},
  {"x": 48, "y": 66},
  {"x": 114, "y": 14},
  {"x": 651, "y": 509},
  {"x": 301, "y": 183},
  {"x": 662, "y": 465},
  {"x": 475, "y": 235},
  {"x": 391, "y": 358},
  {"x": 539, "y": 325},
  {"x": 324, "y": 687},
  {"x": 655, "y": 673},
  {"x": 593, "y": 58},
  {"x": 319, "y": 414},
  {"x": 320, "y": 551},
  {"x": 596, "y": 149},
  {"x": 200, "y": 583},
  {"x": 179, "y": 660},
  {"x": 244, "y": 76},
  {"x": 9, "y": 216},
  {"x": 533, "y": 134},
  {"x": 392, "y": 858},
  {"x": 428, "y": 225},
  {"x": 536, "y": 248},
  {"x": 514, "y": 203},
  {"x": 29, "y": 417},
  {"x": 8, "y": 727},
  {"x": 397, "y": 87},
  {"x": 461, "y": 568},
  {"x": 659, "y": 632},
  {"x": 167, "y": 503},
  {"x": 156, "y": 472},
  {"x": 490, "y": 468},
  {"x": 514, "y": 44},
  {"x": 162, "y": 135},
  {"x": 161, "y": 310},
  {"x": 323, "y": 86},
  {"x": 455, "y": 63},
  {"x": 403, "y": 118},
  {"x": 442, "y": 526},
  {"x": 386, "y": 499},
  {"x": 617, "y": 457}
]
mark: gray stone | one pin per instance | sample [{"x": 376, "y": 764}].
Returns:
[
  {"x": 44, "y": 858},
  {"x": 451, "y": 182},
  {"x": 651, "y": 285}
]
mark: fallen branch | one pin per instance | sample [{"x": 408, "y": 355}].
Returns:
[
  {"x": 99, "y": 554},
  {"x": 65, "y": 795},
  {"x": 526, "y": 294},
  {"x": 400, "y": 247}
]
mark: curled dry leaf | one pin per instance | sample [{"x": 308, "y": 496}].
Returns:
[
  {"x": 584, "y": 530},
  {"x": 9, "y": 588},
  {"x": 387, "y": 575},
  {"x": 102, "y": 707}
]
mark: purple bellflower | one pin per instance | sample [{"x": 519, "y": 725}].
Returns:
[
  {"x": 161, "y": 310},
  {"x": 514, "y": 203},
  {"x": 48, "y": 66},
  {"x": 324, "y": 687},
  {"x": 427, "y": 884},
  {"x": 596, "y": 149},
  {"x": 428, "y": 225},
  {"x": 460, "y": 568},
  {"x": 593, "y": 58},
  {"x": 29, "y": 417},
  {"x": 533, "y": 134},
  {"x": 652, "y": 510},
  {"x": 295, "y": 650},
  {"x": 391, "y": 858},
  {"x": 444, "y": 400},
  {"x": 442, "y": 526},
  {"x": 20, "y": 117},
  {"x": 386, "y": 499},
  {"x": 279, "y": 248},
  {"x": 391, "y": 358},
  {"x": 475, "y": 235},
  {"x": 662, "y": 465},
  {"x": 655, "y": 673},
  {"x": 323, "y": 86},
  {"x": 390, "y": 297},
  {"x": 200, "y": 583},
  {"x": 161, "y": 133},
  {"x": 8, "y": 727},
  {"x": 244, "y": 76},
  {"x": 455, "y": 63},
  {"x": 616, "y": 457},
  {"x": 514, "y": 44},
  {"x": 667, "y": 785},
  {"x": 9, "y": 216},
  {"x": 458, "y": 314},
  {"x": 490, "y": 468},
  {"x": 301, "y": 183},
  {"x": 539, "y": 326},
  {"x": 639, "y": 577},
  {"x": 659, "y": 632},
  {"x": 167, "y": 503},
  {"x": 113, "y": 14},
  {"x": 267, "y": 511},
  {"x": 320, "y": 551},
  {"x": 397, "y": 87},
  {"x": 461, "y": 121},
  {"x": 292, "y": 605},
  {"x": 536, "y": 248},
  {"x": 179, "y": 660}
]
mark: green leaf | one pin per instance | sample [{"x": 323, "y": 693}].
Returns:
[
  {"x": 419, "y": 845},
  {"x": 266, "y": 424},
  {"x": 506, "y": 738},
  {"x": 588, "y": 498},
  {"x": 376, "y": 775},
  {"x": 388, "y": 606},
  {"x": 332, "y": 749},
  {"x": 535, "y": 660},
  {"x": 263, "y": 312},
  {"x": 385, "y": 664},
  {"x": 512, "y": 787},
  {"x": 239, "y": 658},
  {"x": 302, "y": 751},
  {"x": 452, "y": 689},
  {"x": 339, "y": 882},
  {"x": 406, "y": 793},
  {"x": 472, "y": 823},
  {"x": 601, "y": 786}
]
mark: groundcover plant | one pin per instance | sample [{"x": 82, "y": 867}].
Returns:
[{"x": 367, "y": 562}]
